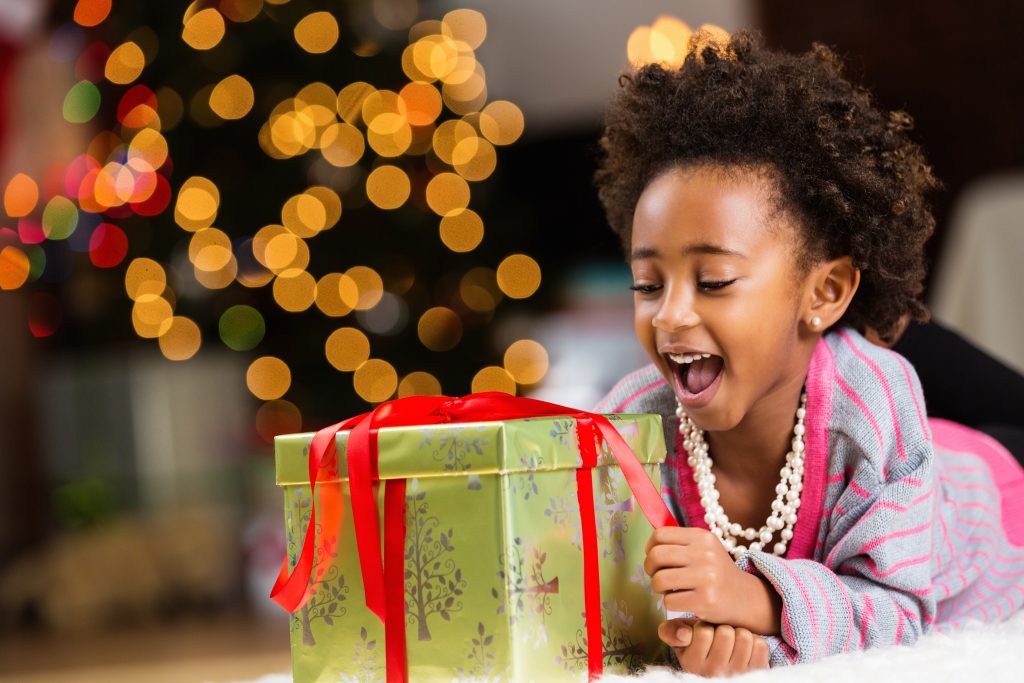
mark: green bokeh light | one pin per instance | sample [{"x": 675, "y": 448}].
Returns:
[
  {"x": 241, "y": 327},
  {"x": 81, "y": 103}
]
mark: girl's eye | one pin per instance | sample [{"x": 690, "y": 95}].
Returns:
[
  {"x": 709, "y": 286},
  {"x": 645, "y": 289}
]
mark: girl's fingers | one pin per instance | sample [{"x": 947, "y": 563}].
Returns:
[
  {"x": 693, "y": 658},
  {"x": 676, "y": 632},
  {"x": 721, "y": 648},
  {"x": 759, "y": 656},
  {"x": 743, "y": 650},
  {"x": 673, "y": 579}
]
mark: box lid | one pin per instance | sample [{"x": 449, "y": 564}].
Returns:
[{"x": 474, "y": 448}]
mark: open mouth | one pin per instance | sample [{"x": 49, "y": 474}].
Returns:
[{"x": 696, "y": 374}]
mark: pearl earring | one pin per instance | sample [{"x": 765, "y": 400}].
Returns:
[{"x": 815, "y": 322}]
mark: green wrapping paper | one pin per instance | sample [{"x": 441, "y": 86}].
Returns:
[{"x": 493, "y": 555}]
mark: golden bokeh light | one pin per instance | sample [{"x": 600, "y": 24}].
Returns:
[
  {"x": 147, "y": 151},
  {"x": 318, "y": 93},
  {"x": 331, "y": 203},
  {"x": 466, "y": 25},
  {"x": 342, "y": 144},
  {"x": 387, "y": 187},
  {"x": 493, "y": 378},
  {"x": 447, "y": 192},
  {"x": 232, "y": 98},
  {"x": 151, "y": 315},
  {"x": 89, "y": 13},
  {"x": 439, "y": 328},
  {"x": 448, "y": 135},
  {"x": 375, "y": 380},
  {"x": 144, "y": 276},
  {"x": 350, "y": 101},
  {"x": 389, "y": 135},
  {"x": 317, "y": 33},
  {"x": 181, "y": 339},
  {"x": 474, "y": 158},
  {"x": 347, "y": 348},
  {"x": 20, "y": 196},
  {"x": 518, "y": 276},
  {"x": 268, "y": 378},
  {"x": 462, "y": 230},
  {"x": 278, "y": 249},
  {"x": 501, "y": 122},
  {"x": 209, "y": 249},
  {"x": 435, "y": 56},
  {"x": 419, "y": 384},
  {"x": 369, "y": 284},
  {"x": 241, "y": 11},
  {"x": 304, "y": 215},
  {"x": 336, "y": 294},
  {"x": 219, "y": 278},
  {"x": 171, "y": 107},
  {"x": 526, "y": 361},
  {"x": 204, "y": 29},
  {"x": 294, "y": 290},
  {"x": 125, "y": 64},
  {"x": 197, "y": 203}
]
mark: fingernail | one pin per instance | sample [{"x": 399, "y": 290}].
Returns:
[{"x": 684, "y": 634}]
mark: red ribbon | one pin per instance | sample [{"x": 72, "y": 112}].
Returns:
[{"x": 383, "y": 580}]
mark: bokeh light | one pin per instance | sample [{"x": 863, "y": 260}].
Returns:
[
  {"x": 493, "y": 378},
  {"x": 232, "y": 98},
  {"x": 20, "y": 196},
  {"x": 14, "y": 267},
  {"x": 204, "y": 29},
  {"x": 518, "y": 276},
  {"x": 268, "y": 378},
  {"x": 241, "y": 327},
  {"x": 317, "y": 32},
  {"x": 439, "y": 328},
  {"x": 181, "y": 339},
  {"x": 461, "y": 230},
  {"x": 375, "y": 380},
  {"x": 90, "y": 13},
  {"x": 347, "y": 348},
  {"x": 277, "y": 417},
  {"x": 419, "y": 383},
  {"x": 387, "y": 187},
  {"x": 526, "y": 361}
]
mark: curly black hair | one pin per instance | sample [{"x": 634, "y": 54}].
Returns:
[{"x": 844, "y": 168}]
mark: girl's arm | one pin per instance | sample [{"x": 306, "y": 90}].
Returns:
[{"x": 874, "y": 585}]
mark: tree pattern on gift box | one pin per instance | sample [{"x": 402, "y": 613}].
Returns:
[
  {"x": 327, "y": 590},
  {"x": 481, "y": 668},
  {"x": 366, "y": 668},
  {"x": 618, "y": 647},
  {"x": 525, "y": 593},
  {"x": 455, "y": 447},
  {"x": 433, "y": 584},
  {"x": 523, "y": 483},
  {"x": 610, "y": 513}
]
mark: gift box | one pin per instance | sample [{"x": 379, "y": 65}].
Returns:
[{"x": 504, "y": 535}]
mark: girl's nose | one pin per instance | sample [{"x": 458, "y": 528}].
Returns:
[{"x": 675, "y": 312}]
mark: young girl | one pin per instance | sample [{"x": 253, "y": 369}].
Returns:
[{"x": 773, "y": 218}]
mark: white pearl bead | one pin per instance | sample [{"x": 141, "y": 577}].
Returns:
[
  {"x": 780, "y": 548},
  {"x": 776, "y": 505},
  {"x": 740, "y": 549},
  {"x": 709, "y": 519},
  {"x": 785, "y": 473},
  {"x": 730, "y": 543},
  {"x": 735, "y": 529},
  {"x": 798, "y": 429},
  {"x": 775, "y": 523},
  {"x": 792, "y": 495},
  {"x": 800, "y": 413},
  {"x": 766, "y": 537},
  {"x": 786, "y": 534},
  {"x": 749, "y": 534},
  {"x": 781, "y": 488},
  {"x": 717, "y": 531},
  {"x": 755, "y": 546},
  {"x": 791, "y": 518}
]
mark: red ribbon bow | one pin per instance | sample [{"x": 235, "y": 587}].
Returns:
[{"x": 383, "y": 580}]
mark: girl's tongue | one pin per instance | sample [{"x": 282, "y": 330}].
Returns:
[{"x": 698, "y": 375}]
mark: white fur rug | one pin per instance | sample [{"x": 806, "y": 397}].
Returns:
[{"x": 988, "y": 653}]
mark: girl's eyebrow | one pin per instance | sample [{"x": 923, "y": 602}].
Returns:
[{"x": 641, "y": 253}]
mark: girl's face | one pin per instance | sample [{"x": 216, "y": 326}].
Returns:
[{"x": 714, "y": 269}]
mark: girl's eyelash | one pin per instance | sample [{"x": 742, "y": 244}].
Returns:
[
  {"x": 645, "y": 289},
  {"x": 714, "y": 285}
]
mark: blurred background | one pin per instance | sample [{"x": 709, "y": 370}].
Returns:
[{"x": 229, "y": 219}]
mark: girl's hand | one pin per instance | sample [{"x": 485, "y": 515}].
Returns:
[
  {"x": 709, "y": 650},
  {"x": 696, "y": 574}
]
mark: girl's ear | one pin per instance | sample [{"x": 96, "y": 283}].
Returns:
[{"x": 830, "y": 288}]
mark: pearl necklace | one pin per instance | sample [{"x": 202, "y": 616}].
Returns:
[{"x": 787, "y": 493}]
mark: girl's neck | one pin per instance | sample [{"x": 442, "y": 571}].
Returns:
[{"x": 755, "y": 449}]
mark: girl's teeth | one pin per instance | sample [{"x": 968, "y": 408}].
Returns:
[{"x": 686, "y": 358}]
